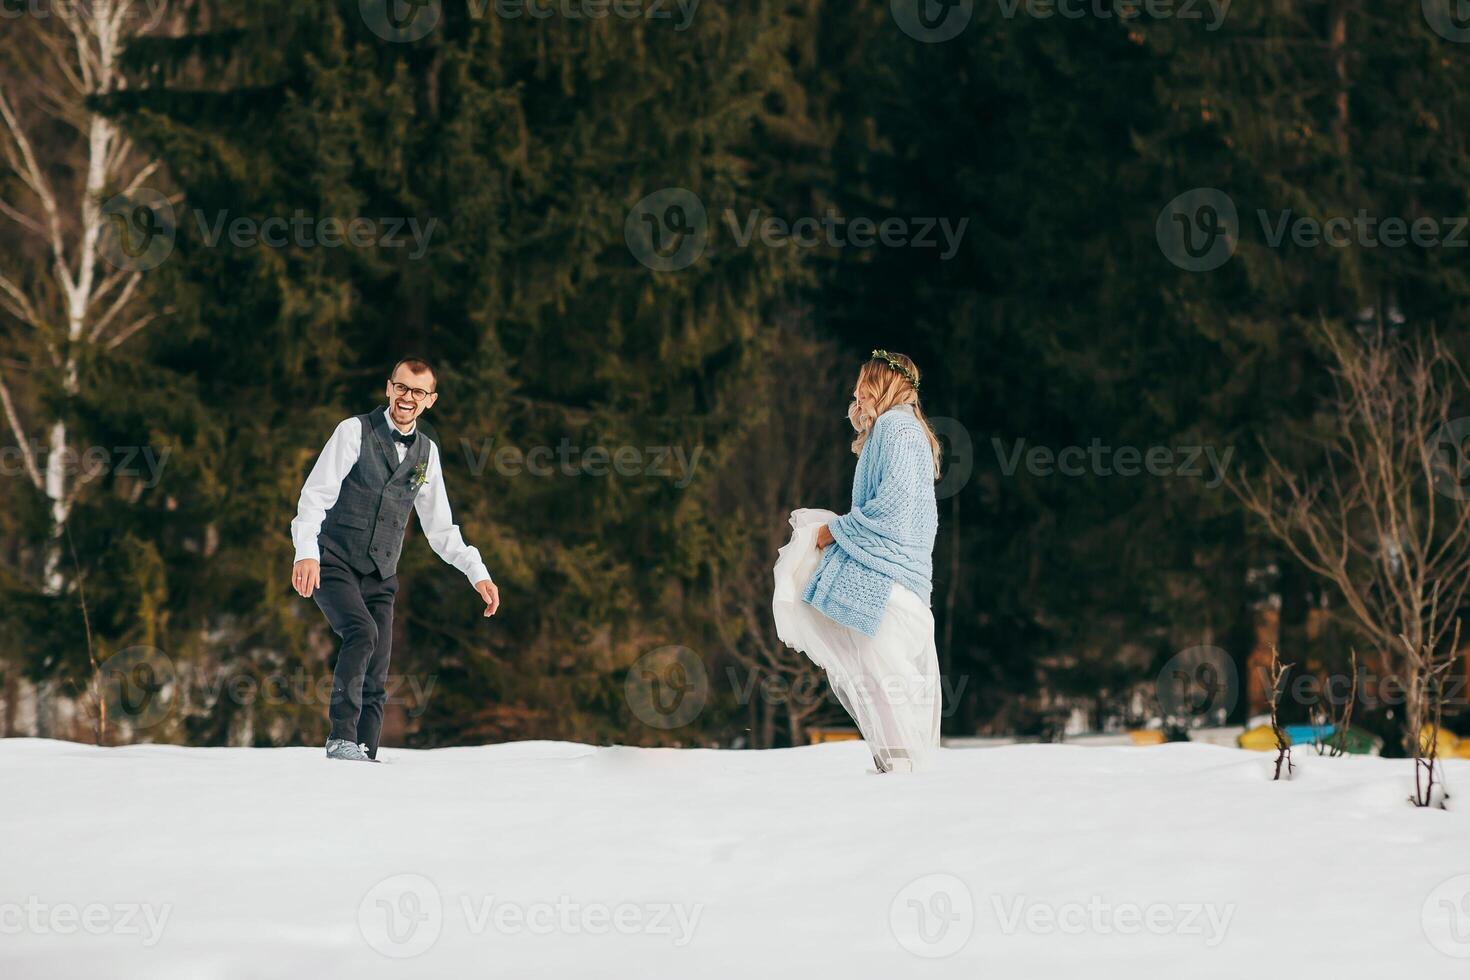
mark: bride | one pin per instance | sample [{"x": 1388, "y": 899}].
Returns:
[{"x": 852, "y": 591}]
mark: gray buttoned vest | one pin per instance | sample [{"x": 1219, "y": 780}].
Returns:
[{"x": 365, "y": 527}]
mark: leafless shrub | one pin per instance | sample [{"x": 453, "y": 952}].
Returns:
[
  {"x": 1431, "y": 669},
  {"x": 1278, "y": 684},
  {"x": 1387, "y": 522}
]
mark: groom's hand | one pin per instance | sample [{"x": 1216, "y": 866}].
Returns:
[
  {"x": 491, "y": 594},
  {"x": 306, "y": 575}
]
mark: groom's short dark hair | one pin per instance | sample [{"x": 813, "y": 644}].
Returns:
[{"x": 418, "y": 365}]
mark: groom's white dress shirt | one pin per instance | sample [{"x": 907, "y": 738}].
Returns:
[{"x": 431, "y": 503}]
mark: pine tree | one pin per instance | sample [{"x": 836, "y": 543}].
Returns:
[{"x": 525, "y": 145}]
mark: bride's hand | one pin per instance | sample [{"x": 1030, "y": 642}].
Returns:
[{"x": 824, "y": 536}]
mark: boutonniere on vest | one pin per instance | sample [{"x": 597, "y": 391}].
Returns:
[{"x": 420, "y": 476}]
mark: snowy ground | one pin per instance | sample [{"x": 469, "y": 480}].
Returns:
[{"x": 559, "y": 860}]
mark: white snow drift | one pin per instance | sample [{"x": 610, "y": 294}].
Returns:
[{"x": 559, "y": 860}]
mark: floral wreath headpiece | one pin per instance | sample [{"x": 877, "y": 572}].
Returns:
[{"x": 897, "y": 365}]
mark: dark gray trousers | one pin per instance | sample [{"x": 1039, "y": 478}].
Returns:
[{"x": 359, "y": 609}]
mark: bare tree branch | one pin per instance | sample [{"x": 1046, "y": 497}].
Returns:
[
  {"x": 19, "y": 305},
  {"x": 27, "y": 454},
  {"x": 22, "y": 219},
  {"x": 30, "y": 172},
  {"x": 132, "y": 328}
]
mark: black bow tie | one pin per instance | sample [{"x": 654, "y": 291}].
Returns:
[{"x": 408, "y": 439}]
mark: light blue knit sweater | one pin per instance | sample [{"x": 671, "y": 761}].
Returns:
[{"x": 888, "y": 536}]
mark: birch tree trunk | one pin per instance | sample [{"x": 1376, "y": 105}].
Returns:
[{"x": 75, "y": 303}]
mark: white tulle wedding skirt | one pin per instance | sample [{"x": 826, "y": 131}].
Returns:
[{"x": 888, "y": 683}]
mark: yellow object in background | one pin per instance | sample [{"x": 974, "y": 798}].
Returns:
[
  {"x": 1147, "y": 736},
  {"x": 816, "y": 736},
  {"x": 1258, "y": 739},
  {"x": 1449, "y": 742}
]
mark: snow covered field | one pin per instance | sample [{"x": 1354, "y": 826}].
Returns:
[{"x": 560, "y": 860}]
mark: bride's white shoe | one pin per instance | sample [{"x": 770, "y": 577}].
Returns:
[{"x": 898, "y": 761}]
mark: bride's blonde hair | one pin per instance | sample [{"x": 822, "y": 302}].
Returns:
[{"x": 888, "y": 381}]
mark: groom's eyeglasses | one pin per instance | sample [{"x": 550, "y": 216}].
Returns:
[{"x": 417, "y": 394}]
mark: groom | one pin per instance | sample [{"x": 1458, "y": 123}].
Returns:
[{"x": 348, "y": 532}]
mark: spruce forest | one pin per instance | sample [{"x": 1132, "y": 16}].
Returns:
[{"x": 647, "y": 256}]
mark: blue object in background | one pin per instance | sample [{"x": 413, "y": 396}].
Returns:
[{"x": 1307, "y": 734}]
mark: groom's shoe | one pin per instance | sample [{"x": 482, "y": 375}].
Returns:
[{"x": 340, "y": 748}]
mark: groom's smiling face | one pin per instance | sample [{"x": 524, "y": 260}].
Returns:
[{"x": 410, "y": 394}]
